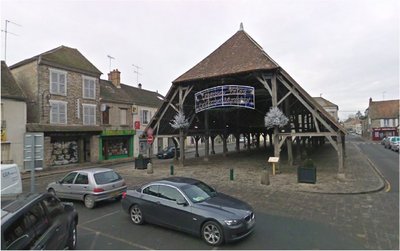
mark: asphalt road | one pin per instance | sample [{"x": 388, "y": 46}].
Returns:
[
  {"x": 365, "y": 221},
  {"x": 387, "y": 161},
  {"x": 108, "y": 227}
]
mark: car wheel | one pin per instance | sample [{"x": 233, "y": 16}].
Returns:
[
  {"x": 136, "y": 215},
  {"x": 73, "y": 236},
  {"x": 89, "y": 201},
  {"x": 212, "y": 233}
]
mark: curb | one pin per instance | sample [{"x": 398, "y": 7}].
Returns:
[{"x": 377, "y": 172}]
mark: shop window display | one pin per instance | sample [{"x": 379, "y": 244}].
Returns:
[
  {"x": 64, "y": 152},
  {"x": 116, "y": 148}
]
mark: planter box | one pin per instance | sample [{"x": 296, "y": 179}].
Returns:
[
  {"x": 141, "y": 163},
  {"x": 307, "y": 175}
]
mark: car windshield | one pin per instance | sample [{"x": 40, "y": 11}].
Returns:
[
  {"x": 106, "y": 177},
  {"x": 198, "y": 192}
]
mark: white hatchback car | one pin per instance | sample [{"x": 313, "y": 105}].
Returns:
[{"x": 89, "y": 185}]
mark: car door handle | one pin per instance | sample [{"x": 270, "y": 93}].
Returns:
[
  {"x": 158, "y": 203},
  {"x": 58, "y": 228}
]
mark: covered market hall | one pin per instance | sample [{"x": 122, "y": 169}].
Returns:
[{"x": 231, "y": 91}]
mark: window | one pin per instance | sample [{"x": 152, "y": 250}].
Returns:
[
  {"x": 53, "y": 206},
  {"x": 82, "y": 179},
  {"x": 386, "y": 122},
  {"x": 106, "y": 177},
  {"x": 58, "y": 112},
  {"x": 169, "y": 193},
  {"x": 89, "y": 114},
  {"x": 69, "y": 178},
  {"x": 151, "y": 190},
  {"x": 58, "y": 82},
  {"x": 106, "y": 116},
  {"x": 122, "y": 116},
  {"x": 144, "y": 116},
  {"x": 89, "y": 87}
]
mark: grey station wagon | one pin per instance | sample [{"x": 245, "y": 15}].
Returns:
[
  {"x": 89, "y": 185},
  {"x": 191, "y": 206}
]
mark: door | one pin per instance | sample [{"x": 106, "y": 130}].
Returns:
[
  {"x": 86, "y": 150},
  {"x": 64, "y": 187},
  {"x": 80, "y": 187},
  {"x": 174, "y": 215},
  {"x": 56, "y": 236}
]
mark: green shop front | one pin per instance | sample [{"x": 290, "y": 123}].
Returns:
[{"x": 116, "y": 144}]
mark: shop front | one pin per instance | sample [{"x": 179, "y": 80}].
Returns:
[
  {"x": 116, "y": 144},
  {"x": 380, "y": 133}
]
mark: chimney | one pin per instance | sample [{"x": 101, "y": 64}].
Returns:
[
  {"x": 115, "y": 77},
  {"x": 140, "y": 86},
  {"x": 370, "y": 100}
]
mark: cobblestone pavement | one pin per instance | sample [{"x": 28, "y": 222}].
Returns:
[{"x": 356, "y": 203}]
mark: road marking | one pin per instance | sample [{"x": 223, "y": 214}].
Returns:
[
  {"x": 115, "y": 238},
  {"x": 103, "y": 216},
  {"x": 94, "y": 241}
]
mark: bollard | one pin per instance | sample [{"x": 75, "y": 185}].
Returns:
[
  {"x": 149, "y": 168},
  {"x": 231, "y": 174},
  {"x": 172, "y": 169}
]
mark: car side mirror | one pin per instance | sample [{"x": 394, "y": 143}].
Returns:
[
  {"x": 182, "y": 202},
  {"x": 59, "y": 182}
]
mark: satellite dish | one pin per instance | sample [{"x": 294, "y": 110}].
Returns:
[{"x": 103, "y": 107}]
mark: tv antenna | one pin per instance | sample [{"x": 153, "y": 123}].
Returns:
[
  {"x": 6, "y": 32},
  {"x": 383, "y": 95},
  {"x": 137, "y": 72},
  {"x": 110, "y": 57}
]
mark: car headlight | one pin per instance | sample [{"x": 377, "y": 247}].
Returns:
[{"x": 232, "y": 222}]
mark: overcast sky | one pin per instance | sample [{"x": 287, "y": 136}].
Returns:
[{"x": 346, "y": 50}]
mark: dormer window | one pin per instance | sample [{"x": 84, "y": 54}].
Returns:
[
  {"x": 89, "y": 87},
  {"x": 58, "y": 82}
]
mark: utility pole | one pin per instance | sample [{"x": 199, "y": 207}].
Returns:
[
  {"x": 5, "y": 36},
  {"x": 110, "y": 57},
  {"x": 137, "y": 72}
]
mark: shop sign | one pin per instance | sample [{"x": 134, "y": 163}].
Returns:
[
  {"x": 225, "y": 96},
  {"x": 117, "y": 132},
  {"x": 384, "y": 129},
  {"x": 150, "y": 139},
  {"x": 137, "y": 125}
]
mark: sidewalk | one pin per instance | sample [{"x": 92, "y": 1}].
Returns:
[{"x": 360, "y": 175}]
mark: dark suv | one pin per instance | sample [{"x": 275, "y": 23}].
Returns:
[{"x": 38, "y": 221}]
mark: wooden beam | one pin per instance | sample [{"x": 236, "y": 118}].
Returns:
[
  {"x": 308, "y": 134},
  {"x": 309, "y": 108},
  {"x": 333, "y": 143},
  {"x": 282, "y": 99},
  {"x": 165, "y": 110},
  {"x": 265, "y": 83},
  {"x": 282, "y": 140}
]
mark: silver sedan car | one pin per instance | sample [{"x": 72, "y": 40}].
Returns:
[{"x": 89, "y": 185}]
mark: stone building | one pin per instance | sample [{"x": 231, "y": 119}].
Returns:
[
  {"x": 382, "y": 119},
  {"x": 126, "y": 111},
  {"x": 63, "y": 97},
  {"x": 13, "y": 119},
  {"x": 330, "y": 107}
]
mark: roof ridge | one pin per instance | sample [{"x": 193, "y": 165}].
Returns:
[{"x": 261, "y": 48}]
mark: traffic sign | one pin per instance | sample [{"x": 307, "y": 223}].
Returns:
[{"x": 150, "y": 139}]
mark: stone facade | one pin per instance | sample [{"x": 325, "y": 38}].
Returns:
[
  {"x": 73, "y": 141},
  {"x": 74, "y": 93}
]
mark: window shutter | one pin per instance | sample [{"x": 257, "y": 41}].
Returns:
[
  {"x": 62, "y": 113},
  {"x": 62, "y": 84},
  {"x": 54, "y": 113}
]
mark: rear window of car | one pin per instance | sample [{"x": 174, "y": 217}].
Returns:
[{"x": 106, "y": 177}]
